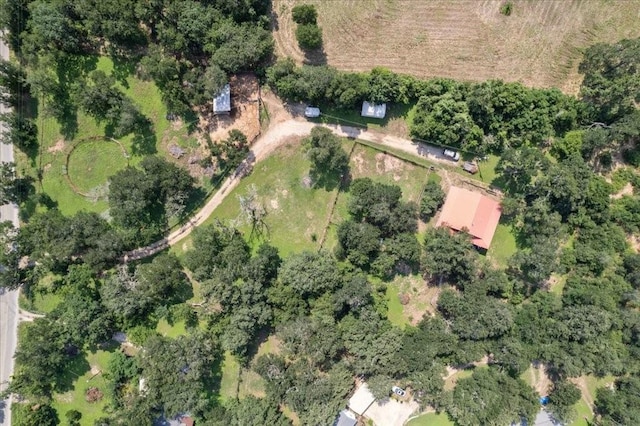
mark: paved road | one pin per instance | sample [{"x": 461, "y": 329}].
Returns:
[
  {"x": 8, "y": 300},
  {"x": 275, "y": 137}
]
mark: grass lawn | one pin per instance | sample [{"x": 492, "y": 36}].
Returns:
[
  {"x": 593, "y": 383},
  {"x": 173, "y": 331},
  {"x": 296, "y": 215},
  {"x": 431, "y": 419},
  {"x": 418, "y": 299},
  {"x": 395, "y": 313},
  {"x": 487, "y": 169},
  {"x": 42, "y": 303},
  {"x": 557, "y": 285},
  {"x": 242, "y": 382},
  {"x": 583, "y": 412},
  {"x": 230, "y": 377},
  {"x": 503, "y": 245},
  {"x": 92, "y": 162},
  {"x": 81, "y": 374}
]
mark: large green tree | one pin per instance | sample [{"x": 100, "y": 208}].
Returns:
[{"x": 492, "y": 398}]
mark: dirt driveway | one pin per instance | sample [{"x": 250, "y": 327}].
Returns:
[
  {"x": 391, "y": 412},
  {"x": 278, "y": 134}
]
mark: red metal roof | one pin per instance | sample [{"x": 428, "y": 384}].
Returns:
[{"x": 471, "y": 210}]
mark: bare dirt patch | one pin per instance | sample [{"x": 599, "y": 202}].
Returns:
[
  {"x": 540, "y": 380},
  {"x": 388, "y": 164},
  {"x": 59, "y": 146},
  {"x": 540, "y": 44},
  {"x": 634, "y": 241},
  {"x": 245, "y": 110},
  {"x": 627, "y": 190},
  {"x": 358, "y": 160}
]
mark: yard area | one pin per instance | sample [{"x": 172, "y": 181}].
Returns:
[
  {"x": 95, "y": 158},
  {"x": 237, "y": 382},
  {"x": 380, "y": 167},
  {"x": 503, "y": 245},
  {"x": 409, "y": 298},
  {"x": 296, "y": 213},
  {"x": 83, "y": 373}
]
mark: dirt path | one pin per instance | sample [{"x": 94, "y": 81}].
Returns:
[
  {"x": 540, "y": 380},
  {"x": 281, "y": 129},
  {"x": 581, "y": 383}
]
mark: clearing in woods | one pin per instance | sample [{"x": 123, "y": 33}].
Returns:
[{"x": 539, "y": 44}]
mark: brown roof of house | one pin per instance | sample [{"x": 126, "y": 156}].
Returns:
[{"x": 479, "y": 215}]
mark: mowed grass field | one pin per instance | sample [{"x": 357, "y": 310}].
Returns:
[{"x": 540, "y": 44}]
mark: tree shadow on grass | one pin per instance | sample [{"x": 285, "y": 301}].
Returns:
[
  {"x": 330, "y": 180},
  {"x": 76, "y": 367},
  {"x": 123, "y": 67},
  {"x": 72, "y": 71},
  {"x": 190, "y": 118}
]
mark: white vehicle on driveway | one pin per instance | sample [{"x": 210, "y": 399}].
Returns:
[
  {"x": 398, "y": 391},
  {"x": 311, "y": 112},
  {"x": 454, "y": 155}
]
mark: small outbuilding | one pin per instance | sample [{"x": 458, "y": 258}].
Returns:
[
  {"x": 371, "y": 110},
  {"x": 470, "y": 167},
  {"x": 222, "y": 102}
]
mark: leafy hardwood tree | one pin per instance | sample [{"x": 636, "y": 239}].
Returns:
[
  {"x": 475, "y": 318},
  {"x": 520, "y": 166},
  {"x": 310, "y": 274},
  {"x": 21, "y": 131},
  {"x": 38, "y": 414},
  {"x": 328, "y": 159},
  {"x": 236, "y": 48},
  {"x": 611, "y": 82},
  {"x": 446, "y": 121},
  {"x": 432, "y": 199},
  {"x": 210, "y": 246},
  {"x": 40, "y": 360},
  {"x": 304, "y": 14},
  {"x": 561, "y": 400},
  {"x": 448, "y": 257},
  {"x": 620, "y": 405},
  {"x": 309, "y": 36},
  {"x": 359, "y": 242},
  {"x": 252, "y": 411},
  {"x": 176, "y": 372},
  {"x": 490, "y": 397},
  {"x": 162, "y": 282}
]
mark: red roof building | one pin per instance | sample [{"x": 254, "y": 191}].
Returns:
[{"x": 473, "y": 212}]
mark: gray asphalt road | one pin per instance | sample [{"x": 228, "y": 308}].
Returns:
[{"x": 8, "y": 300}]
